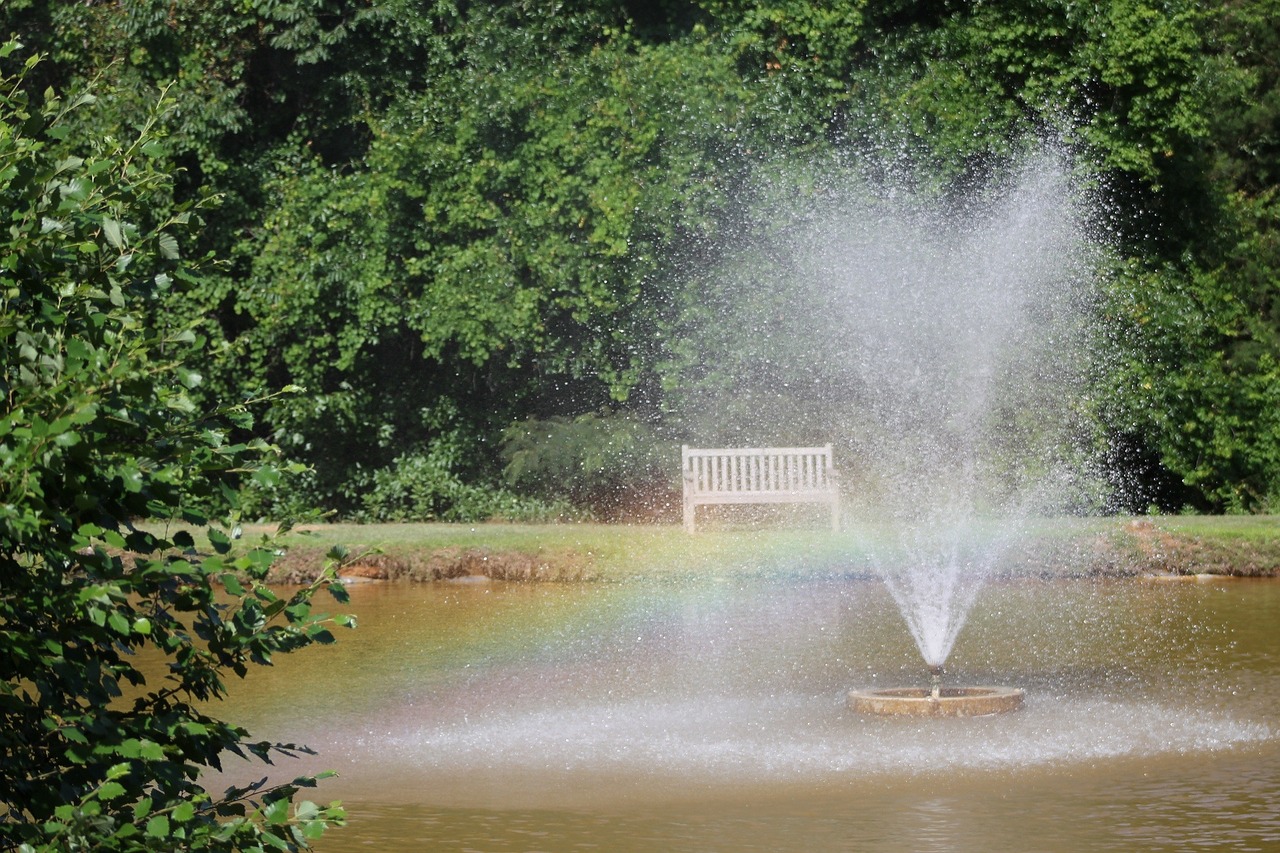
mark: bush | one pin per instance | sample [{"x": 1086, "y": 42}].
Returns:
[
  {"x": 98, "y": 435},
  {"x": 419, "y": 486},
  {"x": 610, "y": 464}
]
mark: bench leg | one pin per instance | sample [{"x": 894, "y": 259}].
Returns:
[
  {"x": 835, "y": 514},
  {"x": 689, "y": 516}
]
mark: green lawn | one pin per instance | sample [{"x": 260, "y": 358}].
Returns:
[
  {"x": 1248, "y": 545},
  {"x": 601, "y": 551},
  {"x": 1248, "y": 528}
]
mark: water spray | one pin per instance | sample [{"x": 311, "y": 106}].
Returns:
[{"x": 982, "y": 326}]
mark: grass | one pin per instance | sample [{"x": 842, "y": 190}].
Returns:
[
  {"x": 1244, "y": 528},
  {"x": 568, "y": 551},
  {"x": 1178, "y": 545}
]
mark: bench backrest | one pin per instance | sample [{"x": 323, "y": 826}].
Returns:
[{"x": 762, "y": 470}]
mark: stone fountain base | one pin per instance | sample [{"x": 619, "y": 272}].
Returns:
[{"x": 949, "y": 701}]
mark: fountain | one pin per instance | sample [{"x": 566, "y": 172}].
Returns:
[
  {"x": 935, "y": 587},
  {"x": 974, "y": 391},
  {"x": 949, "y": 336},
  {"x": 936, "y": 700}
]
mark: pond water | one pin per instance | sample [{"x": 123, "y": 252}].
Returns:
[{"x": 711, "y": 716}]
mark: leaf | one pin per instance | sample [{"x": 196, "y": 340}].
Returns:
[
  {"x": 277, "y": 812},
  {"x": 189, "y": 378},
  {"x": 74, "y": 735},
  {"x": 220, "y": 541},
  {"x": 169, "y": 247},
  {"x": 113, "y": 232},
  {"x": 118, "y": 623},
  {"x": 158, "y": 826},
  {"x": 142, "y": 808},
  {"x": 275, "y": 841},
  {"x": 68, "y": 163},
  {"x": 110, "y": 790}
]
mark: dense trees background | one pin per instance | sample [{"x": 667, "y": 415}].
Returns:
[{"x": 478, "y": 234}]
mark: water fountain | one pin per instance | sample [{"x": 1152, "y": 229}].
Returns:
[
  {"x": 975, "y": 406},
  {"x": 950, "y": 341},
  {"x": 709, "y": 714},
  {"x": 936, "y": 701}
]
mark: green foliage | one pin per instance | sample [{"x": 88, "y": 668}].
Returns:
[
  {"x": 1122, "y": 81},
  {"x": 1244, "y": 80},
  {"x": 509, "y": 239},
  {"x": 421, "y": 487},
  {"x": 99, "y": 432},
  {"x": 1202, "y": 373},
  {"x": 537, "y": 204},
  {"x": 802, "y": 52},
  {"x": 610, "y": 463},
  {"x": 512, "y": 224}
]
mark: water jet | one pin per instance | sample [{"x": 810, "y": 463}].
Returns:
[{"x": 965, "y": 335}]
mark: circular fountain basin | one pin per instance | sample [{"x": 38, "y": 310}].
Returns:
[{"x": 950, "y": 701}]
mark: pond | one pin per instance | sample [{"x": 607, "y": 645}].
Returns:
[{"x": 712, "y": 716}]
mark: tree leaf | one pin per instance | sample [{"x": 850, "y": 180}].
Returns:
[
  {"x": 158, "y": 826},
  {"x": 110, "y": 790},
  {"x": 168, "y": 245},
  {"x": 113, "y": 232}
]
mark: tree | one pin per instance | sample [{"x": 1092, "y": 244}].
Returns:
[
  {"x": 509, "y": 225},
  {"x": 106, "y": 466},
  {"x": 505, "y": 249}
]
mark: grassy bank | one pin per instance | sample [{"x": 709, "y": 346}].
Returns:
[{"x": 1181, "y": 545}]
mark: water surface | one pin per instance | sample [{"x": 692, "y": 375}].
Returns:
[{"x": 711, "y": 716}]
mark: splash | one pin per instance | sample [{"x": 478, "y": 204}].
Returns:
[
  {"x": 972, "y": 364},
  {"x": 941, "y": 338}
]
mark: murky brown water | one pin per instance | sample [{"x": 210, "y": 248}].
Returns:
[{"x": 645, "y": 717}]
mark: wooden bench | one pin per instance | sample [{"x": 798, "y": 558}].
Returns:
[{"x": 758, "y": 475}]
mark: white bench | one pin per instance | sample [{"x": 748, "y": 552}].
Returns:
[{"x": 758, "y": 475}]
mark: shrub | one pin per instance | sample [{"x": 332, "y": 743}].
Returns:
[
  {"x": 99, "y": 434},
  {"x": 420, "y": 486},
  {"x": 610, "y": 464}
]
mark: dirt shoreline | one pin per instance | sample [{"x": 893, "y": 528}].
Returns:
[
  {"x": 302, "y": 564},
  {"x": 1139, "y": 549}
]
